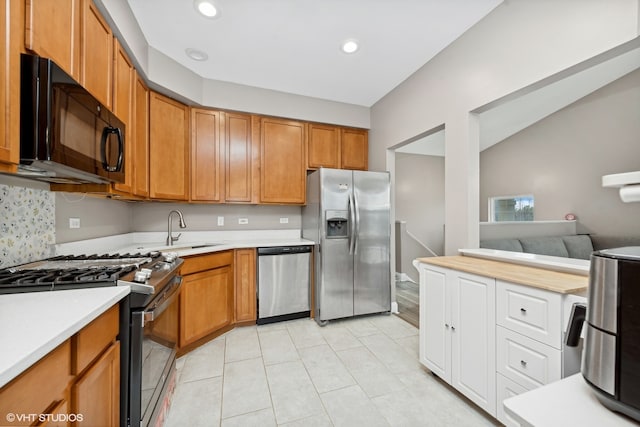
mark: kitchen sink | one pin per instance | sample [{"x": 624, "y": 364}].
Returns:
[{"x": 175, "y": 248}]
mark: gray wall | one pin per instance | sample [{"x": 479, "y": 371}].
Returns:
[
  {"x": 519, "y": 43},
  {"x": 562, "y": 158},
  {"x": 99, "y": 217},
  {"x": 153, "y": 217},
  {"x": 419, "y": 200}
]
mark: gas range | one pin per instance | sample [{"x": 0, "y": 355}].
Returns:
[{"x": 146, "y": 273}]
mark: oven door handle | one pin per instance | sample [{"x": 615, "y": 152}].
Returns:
[{"x": 156, "y": 309}]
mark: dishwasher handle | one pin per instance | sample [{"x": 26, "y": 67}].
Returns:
[{"x": 284, "y": 250}]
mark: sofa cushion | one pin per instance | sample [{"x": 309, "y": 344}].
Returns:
[
  {"x": 550, "y": 245},
  {"x": 512, "y": 245},
  {"x": 579, "y": 246}
]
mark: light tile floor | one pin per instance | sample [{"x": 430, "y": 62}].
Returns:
[{"x": 354, "y": 372}]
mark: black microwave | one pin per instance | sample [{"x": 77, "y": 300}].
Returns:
[{"x": 66, "y": 135}]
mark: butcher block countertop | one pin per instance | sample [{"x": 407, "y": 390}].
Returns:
[{"x": 554, "y": 281}]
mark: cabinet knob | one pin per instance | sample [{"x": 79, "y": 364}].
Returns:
[
  {"x": 523, "y": 363},
  {"x": 453, "y": 328},
  {"x": 523, "y": 310},
  {"x": 446, "y": 325}
]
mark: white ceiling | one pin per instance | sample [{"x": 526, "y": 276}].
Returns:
[{"x": 293, "y": 46}]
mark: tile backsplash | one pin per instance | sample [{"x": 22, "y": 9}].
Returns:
[{"x": 27, "y": 224}]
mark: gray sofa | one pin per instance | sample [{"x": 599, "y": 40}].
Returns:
[{"x": 576, "y": 246}]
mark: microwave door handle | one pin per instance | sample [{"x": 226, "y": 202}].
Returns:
[{"x": 108, "y": 130}]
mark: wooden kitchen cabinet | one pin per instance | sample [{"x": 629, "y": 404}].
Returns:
[
  {"x": 207, "y": 154},
  {"x": 282, "y": 161},
  {"x": 206, "y": 297},
  {"x": 245, "y": 286},
  {"x": 96, "y": 53},
  {"x": 337, "y": 147},
  {"x": 458, "y": 332},
  {"x": 52, "y": 30},
  {"x": 12, "y": 14},
  {"x": 80, "y": 376},
  {"x": 123, "y": 104},
  {"x": 324, "y": 146},
  {"x": 95, "y": 360},
  {"x": 140, "y": 137},
  {"x": 354, "y": 149},
  {"x": 96, "y": 394},
  {"x": 44, "y": 385},
  {"x": 168, "y": 148},
  {"x": 240, "y": 166}
]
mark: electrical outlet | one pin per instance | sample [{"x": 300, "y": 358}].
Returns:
[
  {"x": 74, "y": 222},
  {"x": 220, "y": 221},
  {"x": 243, "y": 221},
  {"x": 284, "y": 220}
]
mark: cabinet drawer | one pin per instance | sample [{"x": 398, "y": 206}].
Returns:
[
  {"x": 526, "y": 361},
  {"x": 532, "y": 312},
  {"x": 506, "y": 388},
  {"x": 92, "y": 340},
  {"x": 197, "y": 263}
]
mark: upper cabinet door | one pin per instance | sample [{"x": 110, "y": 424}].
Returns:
[
  {"x": 10, "y": 13},
  {"x": 141, "y": 138},
  {"x": 96, "y": 54},
  {"x": 282, "y": 161},
  {"x": 239, "y": 167},
  {"x": 324, "y": 146},
  {"x": 206, "y": 155},
  {"x": 354, "y": 149},
  {"x": 123, "y": 82},
  {"x": 168, "y": 148},
  {"x": 52, "y": 30}
]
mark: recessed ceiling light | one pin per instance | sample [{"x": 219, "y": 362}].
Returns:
[
  {"x": 196, "y": 55},
  {"x": 206, "y": 8},
  {"x": 349, "y": 46}
]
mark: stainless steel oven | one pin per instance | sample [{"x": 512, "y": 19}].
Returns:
[{"x": 153, "y": 353}]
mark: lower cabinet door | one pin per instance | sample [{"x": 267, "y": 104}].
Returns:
[
  {"x": 473, "y": 339},
  {"x": 96, "y": 395},
  {"x": 206, "y": 301},
  {"x": 506, "y": 388},
  {"x": 435, "y": 339}
]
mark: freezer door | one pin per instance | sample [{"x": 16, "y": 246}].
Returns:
[
  {"x": 372, "y": 277},
  {"x": 334, "y": 291}
]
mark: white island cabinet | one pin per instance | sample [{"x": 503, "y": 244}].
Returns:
[
  {"x": 457, "y": 331},
  {"x": 493, "y": 330}
]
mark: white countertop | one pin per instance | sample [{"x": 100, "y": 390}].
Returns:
[
  {"x": 568, "y": 402},
  {"x": 155, "y": 241},
  {"x": 32, "y": 324},
  {"x": 555, "y": 263}
]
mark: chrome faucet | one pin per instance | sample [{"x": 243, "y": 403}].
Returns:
[{"x": 170, "y": 238}]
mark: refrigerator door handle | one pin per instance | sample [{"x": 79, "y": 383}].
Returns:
[
  {"x": 356, "y": 235},
  {"x": 352, "y": 220}
]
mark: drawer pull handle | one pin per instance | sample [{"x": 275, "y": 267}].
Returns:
[
  {"x": 453, "y": 328},
  {"x": 523, "y": 310},
  {"x": 446, "y": 325},
  {"x": 523, "y": 363}
]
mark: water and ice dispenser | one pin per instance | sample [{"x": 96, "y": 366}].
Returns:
[{"x": 337, "y": 224}]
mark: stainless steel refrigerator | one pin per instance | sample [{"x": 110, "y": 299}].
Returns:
[{"x": 347, "y": 215}]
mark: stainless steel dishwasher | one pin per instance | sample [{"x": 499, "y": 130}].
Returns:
[{"x": 283, "y": 283}]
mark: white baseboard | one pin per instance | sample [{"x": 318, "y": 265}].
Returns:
[
  {"x": 403, "y": 277},
  {"x": 394, "y": 307}
]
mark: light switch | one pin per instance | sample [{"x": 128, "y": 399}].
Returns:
[{"x": 220, "y": 221}]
